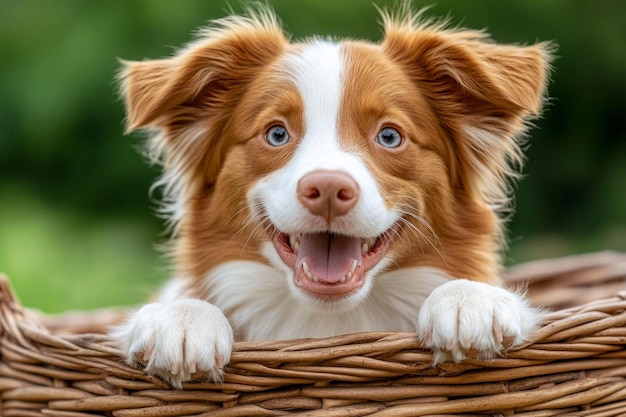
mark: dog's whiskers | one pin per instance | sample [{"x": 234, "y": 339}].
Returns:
[
  {"x": 252, "y": 219},
  {"x": 252, "y": 233},
  {"x": 410, "y": 214},
  {"x": 397, "y": 227},
  {"x": 235, "y": 214},
  {"x": 257, "y": 214},
  {"x": 259, "y": 218}
]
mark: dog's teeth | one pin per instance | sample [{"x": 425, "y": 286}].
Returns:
[
  {"x": 294, "y": 241},
  {"x": 350, "y": 273},
  {"x": 308, "y": 273},
  {"x": 366, "y": 245}
]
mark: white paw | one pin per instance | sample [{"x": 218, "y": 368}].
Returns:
[
  {"x": 462, "y": 319},
  {"x": 176, "y": 339}
]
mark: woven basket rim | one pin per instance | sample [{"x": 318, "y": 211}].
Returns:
[{"x": 576, "y": 363}]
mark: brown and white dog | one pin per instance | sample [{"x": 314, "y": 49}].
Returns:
[{"x": 321, "y": 187}]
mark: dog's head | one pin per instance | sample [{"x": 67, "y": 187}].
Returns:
[{"x": 333, "y": 161}]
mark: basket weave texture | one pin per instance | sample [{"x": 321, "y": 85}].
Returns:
[{"x": 575, "y": 365}]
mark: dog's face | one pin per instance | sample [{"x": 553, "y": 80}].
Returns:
[
  {"x": 340, "y": 181},
  {"x": 335, "y": 161}
]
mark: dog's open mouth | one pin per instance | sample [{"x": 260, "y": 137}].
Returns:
[{"x": 327, "y": 265}]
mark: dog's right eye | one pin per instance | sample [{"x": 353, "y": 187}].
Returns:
[
  {"x": 389, "y": 138},
  {"x": 277, "y": 136}
]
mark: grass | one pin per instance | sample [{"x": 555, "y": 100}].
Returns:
[
  {"x": 607, "y": 237},
  {"x": 59, "y": 260}
]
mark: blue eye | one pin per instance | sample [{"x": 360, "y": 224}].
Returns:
[
  {"x": 277, "y": 135},
  {"x": 389, "y": 137}
]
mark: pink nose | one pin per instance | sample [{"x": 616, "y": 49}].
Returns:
[{"x": 328, "y": 193}]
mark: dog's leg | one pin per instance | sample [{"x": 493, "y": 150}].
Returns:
[
  {"x": 176, "y": 339},
  {"x": 464, "y": 318}
]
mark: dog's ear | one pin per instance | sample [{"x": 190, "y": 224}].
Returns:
[
  {"x": 185, "y": 100},
  {"x": 484, "y": 94},
  {"x": 143, "y": 87},
  {"x": 210, "y": 70}
]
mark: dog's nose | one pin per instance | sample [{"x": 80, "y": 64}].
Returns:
[{"x": 328, "y": 193}]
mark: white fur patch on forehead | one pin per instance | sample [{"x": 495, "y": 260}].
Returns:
[{"x": 318, "y": 71}]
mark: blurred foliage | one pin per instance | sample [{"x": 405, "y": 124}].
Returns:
[{"x": 74, "y": 204}]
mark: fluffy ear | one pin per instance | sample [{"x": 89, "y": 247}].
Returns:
[
  {"x": 484, "y": 95},
  {"x": 210, "y": 70},
  {"x": 184, "y": 100},
  {"x": 144, "y": 92}
]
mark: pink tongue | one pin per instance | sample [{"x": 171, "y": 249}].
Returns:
[{"x": 329, "y": 256}]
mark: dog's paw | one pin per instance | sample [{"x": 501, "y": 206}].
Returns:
[
  {"x": 176, "y": 339},
  {"x": 462, "y": 319}
]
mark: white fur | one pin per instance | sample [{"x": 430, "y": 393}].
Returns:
[
  {"x": 175, "y": 339},
  {"x": 266, "y": 309},
  {"x": 464, "y": 317},
  {"x": 317, "y": 73},
  {"x": 176, "y": 180},
  {"x": 174, "y": 289},
  {"x": 495, "y": 160}
]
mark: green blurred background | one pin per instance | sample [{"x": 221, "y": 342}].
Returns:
[{"x": 77, "y": 228}]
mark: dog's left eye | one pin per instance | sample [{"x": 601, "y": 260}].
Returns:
[
  {"x": 389, "y": 137},
  {"x": 277, "y": 136}
]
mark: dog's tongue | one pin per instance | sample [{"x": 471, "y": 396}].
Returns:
[{"x": 328, "y": 256}]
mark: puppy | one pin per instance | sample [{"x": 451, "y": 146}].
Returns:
[{"x": 326, "y": 187}]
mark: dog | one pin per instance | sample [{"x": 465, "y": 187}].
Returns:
[{"x": 325, "y": 187}]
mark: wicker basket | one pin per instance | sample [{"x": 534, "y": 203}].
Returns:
[{"x": 574, "y": 366}]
